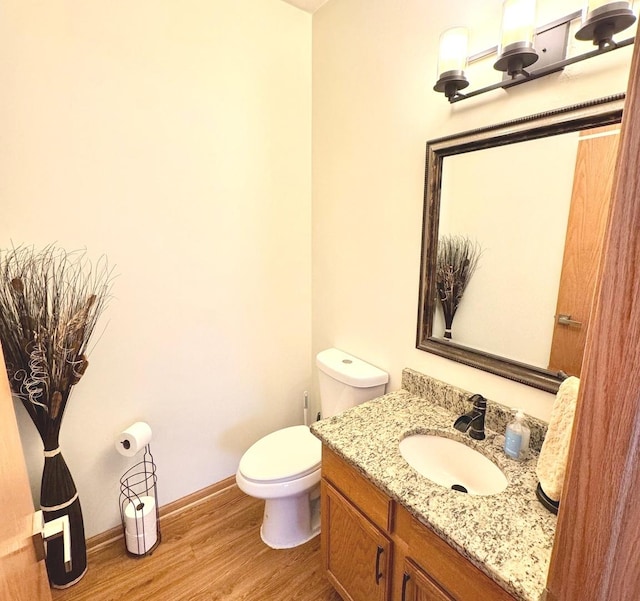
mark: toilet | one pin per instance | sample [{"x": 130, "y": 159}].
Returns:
[{"x": 283, "y": 467}]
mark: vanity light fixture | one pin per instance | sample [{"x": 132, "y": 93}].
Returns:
[{"x": 526, "y": 53}]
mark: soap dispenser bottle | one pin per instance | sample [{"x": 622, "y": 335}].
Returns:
[{"x": 516, "y": 440}]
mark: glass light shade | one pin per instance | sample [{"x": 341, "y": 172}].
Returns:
[
  {"x": 452, "y": 61},
  {"x": 516, "y": 39},
  {"x": 453, "y": 50},
  {"x": 603, "y": 19},
  {"x": 518, "y": 22}
]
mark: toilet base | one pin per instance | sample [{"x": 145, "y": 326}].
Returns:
[{"x": 291, "y": 521}]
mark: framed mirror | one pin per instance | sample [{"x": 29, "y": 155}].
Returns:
[{"x": 527, "y": 201}]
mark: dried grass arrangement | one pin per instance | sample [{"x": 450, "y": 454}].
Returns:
[
  {"x": 50, "y": 302},
  {"x": 457, "y": 261}
]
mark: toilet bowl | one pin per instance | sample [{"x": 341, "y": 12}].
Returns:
[{"x": 283, "y": 467}]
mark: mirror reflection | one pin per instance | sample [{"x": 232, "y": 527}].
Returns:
[{"x": 530, "y": 199}]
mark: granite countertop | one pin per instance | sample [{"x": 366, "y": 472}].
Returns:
[{"x": 509, "y": 536}]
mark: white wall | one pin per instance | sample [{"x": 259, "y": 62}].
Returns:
[
  {"x": 175, "y": 138},
  {"x": 374, "y": 66}
]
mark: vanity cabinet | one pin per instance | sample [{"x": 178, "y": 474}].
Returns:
[{"x": 375, "y": 550}]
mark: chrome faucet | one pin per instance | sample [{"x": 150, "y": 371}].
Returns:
[{"x": 473, "y": 421}]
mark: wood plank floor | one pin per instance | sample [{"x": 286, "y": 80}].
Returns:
[{"x": 211, "y": 551}]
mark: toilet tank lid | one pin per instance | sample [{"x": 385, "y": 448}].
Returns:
[{"x": 349, "y": 369}]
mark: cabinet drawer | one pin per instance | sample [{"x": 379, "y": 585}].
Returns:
[
  {"x": 354, "y": 486},
  {"x": 450, "y": 570}
]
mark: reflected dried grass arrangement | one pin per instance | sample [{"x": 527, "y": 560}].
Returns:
[{"x": 457, "y": 260}]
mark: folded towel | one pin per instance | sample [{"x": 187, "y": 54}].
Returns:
[{"x": 552, "y": 462}]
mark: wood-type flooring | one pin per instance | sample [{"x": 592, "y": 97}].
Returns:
[{"x": 211, "y": 551}]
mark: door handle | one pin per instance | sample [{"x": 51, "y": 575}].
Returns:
[
  {"x": 565, "y": 320},
  {"x": 379, "y": 574},
  {"x": 46, "y": 531}
]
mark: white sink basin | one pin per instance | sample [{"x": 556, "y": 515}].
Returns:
[{"x": 448, "y": 462}]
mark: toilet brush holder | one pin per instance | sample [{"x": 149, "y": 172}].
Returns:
[{"x": 139, "y": 507}]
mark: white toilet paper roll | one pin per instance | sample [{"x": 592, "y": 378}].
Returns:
[
  {"x": 140, "y": 523},
  {"x": 140, "y": 512},
  {"x": 140, "y": 544},
  {"x": 135, "y": 438}
]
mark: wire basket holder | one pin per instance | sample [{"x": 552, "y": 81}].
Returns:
[{"x": 139, "y": 507}]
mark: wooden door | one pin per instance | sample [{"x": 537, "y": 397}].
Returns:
[
  {"x": 22, "y": 577},
  {"x": 417, "y": 586},
  {"x": 357, "y": 555},
  {"x": 595, "y": 553},
  {"x": 592, "y": 184}
]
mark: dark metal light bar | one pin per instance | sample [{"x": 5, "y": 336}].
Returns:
[{"x": 552, "y": 68}]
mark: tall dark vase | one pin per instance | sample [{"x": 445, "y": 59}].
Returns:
[
  {"x": 50, "y": 302},
  {"x": 59, "y": 497},
  {"x": 448, "y": 324}
]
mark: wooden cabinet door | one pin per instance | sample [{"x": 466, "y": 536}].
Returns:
[
  {"x": 22, "y": 576},
  {"x": 417, "y": 586},
  {"x": 357, "y": 555}
]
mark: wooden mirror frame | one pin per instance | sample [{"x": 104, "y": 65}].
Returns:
[{"x": 604, "y": 111}]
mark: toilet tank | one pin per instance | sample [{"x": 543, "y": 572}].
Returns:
[{"x": 346, "y": 381}]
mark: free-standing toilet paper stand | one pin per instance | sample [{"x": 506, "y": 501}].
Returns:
[{"x": 139, "y": 507}]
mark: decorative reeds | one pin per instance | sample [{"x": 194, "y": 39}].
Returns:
[
  {"x": 457, "y": 261},
  {"x": 50, "y": 302}
]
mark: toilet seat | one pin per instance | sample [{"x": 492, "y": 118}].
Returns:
[{"x": 282, "y": 456}]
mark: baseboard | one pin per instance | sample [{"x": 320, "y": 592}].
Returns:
[
  {"x": 196, "y": 497},
  {"x": 113, "y": 534}
]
